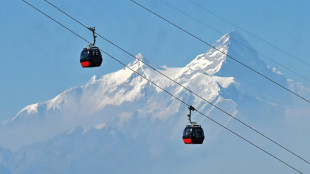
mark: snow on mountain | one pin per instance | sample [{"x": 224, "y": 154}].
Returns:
[
  {"x": 115, "y": 96},
  {"x": 122, "y": 107}
]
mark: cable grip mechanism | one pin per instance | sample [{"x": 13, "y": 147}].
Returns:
[
  {"x": 191, "y": 108},
  {"x": 92, "y": 29}
]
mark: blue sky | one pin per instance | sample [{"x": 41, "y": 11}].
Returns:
[{"x": 40, "y": 59}]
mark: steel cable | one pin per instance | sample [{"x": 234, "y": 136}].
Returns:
[
  {"x": 228, "y": 114},
  {"x": 253, "y": 144}
]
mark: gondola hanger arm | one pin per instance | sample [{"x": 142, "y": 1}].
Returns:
[
  {"x": 92, "y": 29},
  {"x": 191, "y": 108}
]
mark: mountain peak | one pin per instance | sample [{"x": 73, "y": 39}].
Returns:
[
  {"x": 140, "y": 57},
  {"x": 235, "y": 35},
  {"x": 235, "y": 39},
  {"x": 138, "y": 62},
  {"x": 232, "y": 38},
  {"x": 211, "y": 61},
  {"x": 231, "y": 44},
  {"x": 223, "y": 40}
]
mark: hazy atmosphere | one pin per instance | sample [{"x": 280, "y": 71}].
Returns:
[{"x": 243, "y": 65}]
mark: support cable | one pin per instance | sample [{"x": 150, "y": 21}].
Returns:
[
  {"x": 266, "y": 152},
  {"x": 250, "y": 33},
  {"x": 222, "y": 52},
  {"x": 251, "y": 49},
  {"x": 228, "y": 114}
]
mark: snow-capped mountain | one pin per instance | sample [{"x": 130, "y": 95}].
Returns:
[{"x": 122, "y": 114}]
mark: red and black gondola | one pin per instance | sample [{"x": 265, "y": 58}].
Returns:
[
  {"x": 193, "y": 133},
  {"x": 91, "y": 56}
]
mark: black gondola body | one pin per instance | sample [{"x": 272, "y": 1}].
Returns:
[
  {"x": 90, "y": 57},
  {"x": 193, "y": 133}
]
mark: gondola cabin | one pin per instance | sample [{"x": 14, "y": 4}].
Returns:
[
  {"x": 90, "y": 57},
  {"x": 193, "y": 134}
]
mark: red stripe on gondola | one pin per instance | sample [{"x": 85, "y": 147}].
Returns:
[
  {"x": 187, "y": 140},
  {"x": 85, "y": 64}
]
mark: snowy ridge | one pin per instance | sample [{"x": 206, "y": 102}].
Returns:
[
  {"x": 211, "y": 61},
  {"x": 92, "y": 124},
  {"x": 86, "y": 106}
]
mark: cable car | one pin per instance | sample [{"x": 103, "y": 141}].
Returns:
[
  {"x": 193, "y": 133},
  {"x": 91, "y": 56}
]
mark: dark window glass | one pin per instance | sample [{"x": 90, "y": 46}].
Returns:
[
  {"x": 84, "y": 54},
  {"x": 198, "y": 133},
  {"x": 187, "y": 131}
]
